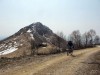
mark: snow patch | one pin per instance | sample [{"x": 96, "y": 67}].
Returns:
[
  {"x": 15, "y": 42},
  {"x": 2, "y": 45},
  {"x": 33, "y": 26},
  {"x": 32, "y": 36},
  {"x": 29, "y": 31},
  {"x": 7, "y": 51},
  {"x": 21, "y": 44}
]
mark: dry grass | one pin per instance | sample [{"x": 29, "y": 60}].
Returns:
[{"x": 47, "y": 50}]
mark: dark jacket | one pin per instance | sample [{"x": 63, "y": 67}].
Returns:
[{"x": 70, "y": 45}]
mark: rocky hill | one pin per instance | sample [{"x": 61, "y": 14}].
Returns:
[{"x": 33, "y": 39}]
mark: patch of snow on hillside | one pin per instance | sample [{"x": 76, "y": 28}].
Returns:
[
  {"x": 29, "y": 31},
  {"x": 34, "y": 28},
  {"x": 14, "y": 42},
  {"x": 32, "y": 36},
  {"x": 2, "y": 45},
  {"x": 7, "y": 51},
  {"x": 21, "y": 44}
]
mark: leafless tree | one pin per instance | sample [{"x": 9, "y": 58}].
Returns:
[
  {"x": 97, "y": 40},
  {"x": 61, "y": 40},
  {"x": 61, "y": 34},
  {"x": 76, "y": 38},
  {"x": 91, "y": 35},
  {"x": 86, "y": 39}
]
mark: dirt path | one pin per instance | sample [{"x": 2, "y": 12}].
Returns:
[{"x": 60, "y": 64}]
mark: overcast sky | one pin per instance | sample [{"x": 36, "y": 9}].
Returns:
[{"x": 58, "y": 15}]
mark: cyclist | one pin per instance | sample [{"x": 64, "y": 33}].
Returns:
[{"x": 70, "y": 48}]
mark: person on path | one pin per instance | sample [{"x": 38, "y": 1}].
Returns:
[{"x": 70, "y": 48}]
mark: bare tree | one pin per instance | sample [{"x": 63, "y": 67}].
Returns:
[
  {"x": 97, "y": 40},
  {"x": 61, "y": 40},
  {"x": 91, "y": 35},
  {"x": 76, "y": 38},
  {"x": 61, "y": 34},
  {"x": 86, "y": 39}
]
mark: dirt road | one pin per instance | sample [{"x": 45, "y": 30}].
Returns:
[{"x": 82, "y": 63}]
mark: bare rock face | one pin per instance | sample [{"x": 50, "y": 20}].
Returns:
[{"x": 33, "y": 39}]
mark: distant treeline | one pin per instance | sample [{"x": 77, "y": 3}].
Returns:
[{"x": 88, "y": 39}]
